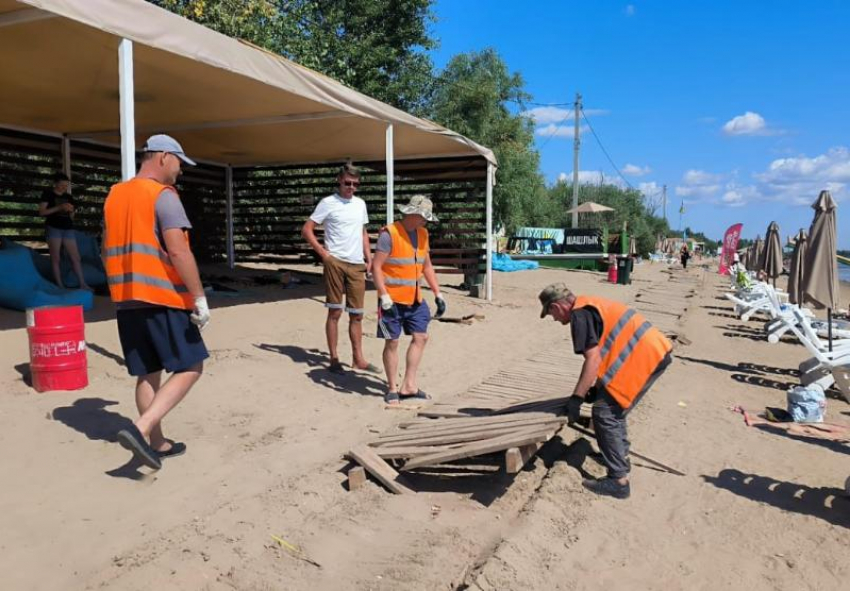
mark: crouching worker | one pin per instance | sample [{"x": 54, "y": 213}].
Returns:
[
  {"x": 154, "y": 281},
  {"x": 401, "y": 260},
  {"x": 623, "y": 356}
]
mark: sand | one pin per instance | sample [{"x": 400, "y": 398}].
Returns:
[{"x": 267, "y": 427}]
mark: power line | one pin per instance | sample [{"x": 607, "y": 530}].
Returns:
[
  {"x": 555, "y": 130},
  {"x": 604, "y": 151}
]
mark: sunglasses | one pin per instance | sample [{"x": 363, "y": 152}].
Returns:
[{"x": 354, "y": 184}]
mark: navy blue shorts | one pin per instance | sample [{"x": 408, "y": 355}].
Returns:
[
  {"x": 411, "y": 319},
  {"x": 157, "y": 338}
]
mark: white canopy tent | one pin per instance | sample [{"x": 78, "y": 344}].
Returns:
[{"x": 113, "y": 72}]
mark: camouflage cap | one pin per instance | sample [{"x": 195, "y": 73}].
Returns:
[{"x": 553, "y": 293}]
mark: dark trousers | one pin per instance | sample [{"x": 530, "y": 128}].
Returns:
[{"x": 609, "y": 423}]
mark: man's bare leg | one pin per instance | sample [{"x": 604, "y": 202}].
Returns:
[
  {"x": 355, "y": 333},
  {"x": 391, "y": 363},
  {"x": 146, "y": 388},
  {"x": 54, "y": 245},
  {"x": 167, "y": 397},
  {"x": 414, "y": 356},
  {"x": 332, "y": 332}
]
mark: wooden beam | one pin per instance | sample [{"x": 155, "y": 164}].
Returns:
[
  {"x": 517, "y": 457},
  {"x": 378, "y": 468},
  {"x": 356, "y": 478}
]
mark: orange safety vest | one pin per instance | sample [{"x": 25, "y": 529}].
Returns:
[
  {"x": 403, "y": 268},
  {"x": 631, "y": 351},
  {"x": 137, "y": 268}
]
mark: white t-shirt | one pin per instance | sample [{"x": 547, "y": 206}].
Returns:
[{"x": 343, "y": 220}]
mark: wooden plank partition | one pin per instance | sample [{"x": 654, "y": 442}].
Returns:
[{"x": 270, "y": 203}]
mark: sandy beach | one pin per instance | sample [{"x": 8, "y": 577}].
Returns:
[{"x": 267, "y": 428}]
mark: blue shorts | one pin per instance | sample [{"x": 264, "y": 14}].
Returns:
[
  {"x": 60, "y": 233},
  {"x": 156, "y": 338},
  {"x": 411, "y": 319}
]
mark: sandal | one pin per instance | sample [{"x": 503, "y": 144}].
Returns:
[
  {"x": 336, "y": 367},
  {"x": 371, "y": 368},
  {"x": 178, "y": 448},
  {"x": 419, "y": 395},
  {"x": 391, "y": 398}
]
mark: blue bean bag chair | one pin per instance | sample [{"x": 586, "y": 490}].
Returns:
[
  {"x": 89, "y": 258},
  {"x": 22, "y": 287}
]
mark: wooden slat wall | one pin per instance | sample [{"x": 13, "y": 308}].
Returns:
[
  {"x": 28, "y": 161},
  {"x": 271, "y": 204}
]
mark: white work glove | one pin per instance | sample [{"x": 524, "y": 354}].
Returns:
[
  {"x": 388, "y": 308},
  {"x": 200, "y": 316}
]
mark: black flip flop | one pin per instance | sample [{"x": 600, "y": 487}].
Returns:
[
  {"x": 178, "y": 448},
  {"x": 391, "y": 398},
  {"x": 132, "y": 439},
  {"x": 420, "y": 395},
  {"x": 336, "y": 367}
]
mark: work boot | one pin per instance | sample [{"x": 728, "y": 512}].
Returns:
[{"x": 609, "y": 487}]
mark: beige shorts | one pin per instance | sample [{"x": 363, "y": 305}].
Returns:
[{"x": 345, "y": 279}]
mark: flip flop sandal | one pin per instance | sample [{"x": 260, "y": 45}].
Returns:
[
  {"x": 178, "y": 448},
  {"x": 336, "y": 367},
  {"x": 420, "y": 395},
  {"x": 391, "y": 398},
  {"x": 132, "y": 439},
  {"x": 371, "y": 368}
]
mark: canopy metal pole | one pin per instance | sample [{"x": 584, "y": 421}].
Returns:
[
  {"x": 390, "y": 174},
  {"x": 66, "y": 155},
  {"x": 127, "y": 109},
  {"x": 491, "y": 173},
  {"x": 231, "y": 251}
]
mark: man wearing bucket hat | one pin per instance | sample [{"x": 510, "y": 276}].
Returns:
[
  {"x": 401, "y": 260},
  {"x": 154, "y": 281},
  {"x": 623, "y": 356}
]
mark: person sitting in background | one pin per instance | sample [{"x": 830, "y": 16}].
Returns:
[{"x": 57, "y": 207}]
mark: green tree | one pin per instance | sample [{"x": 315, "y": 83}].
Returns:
[
  {"x": 473, "y": 96},
  {"x": 379, "y": 47}
]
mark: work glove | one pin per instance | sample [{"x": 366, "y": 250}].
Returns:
[
  {"x": 388, "y": 308},
  {"x": 200, "y": 316},
  {"x": 441, "y": 306},
  {"x": 574, "y": 408}
]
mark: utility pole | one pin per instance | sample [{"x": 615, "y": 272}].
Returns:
[
  {"x": 576, "y": 145},
  {"x": 664, "y": 201}
]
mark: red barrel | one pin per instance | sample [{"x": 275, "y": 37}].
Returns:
[
  {"x": 57, "y": 348},
  {"x": 612, "y": 270}
]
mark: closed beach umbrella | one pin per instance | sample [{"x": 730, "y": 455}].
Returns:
[
  {"x": 771, "y": 259},
  {"x": 820, "y": 288},
  {"x": 798, "y": 269},
  {"x": 758, "y": 252}
]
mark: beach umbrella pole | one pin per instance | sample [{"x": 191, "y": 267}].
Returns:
[{"x": 829, "y": 327}]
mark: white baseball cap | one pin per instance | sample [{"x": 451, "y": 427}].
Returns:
[{"x": 166, "y": 143}]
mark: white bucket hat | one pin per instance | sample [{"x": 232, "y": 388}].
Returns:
[{"x": 420, "y": 205}]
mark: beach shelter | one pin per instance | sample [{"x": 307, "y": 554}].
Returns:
[
  {"x": 112, "y": 73},
  {"x": 797, "y": 270},
  {"x": 771, "y": 259},
  {"x": 820, "y": 288},
  {"x": 589, "y": 207}
]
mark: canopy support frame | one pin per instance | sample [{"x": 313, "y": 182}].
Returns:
[
  {"x": 127, "y": 109},
  {"x": 491, "y": 174},
  {"x": 231, "y": 250},
  {"x": 390, "y": 158}
]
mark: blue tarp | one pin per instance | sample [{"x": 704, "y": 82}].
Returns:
[{"x": 503, "y": 262}]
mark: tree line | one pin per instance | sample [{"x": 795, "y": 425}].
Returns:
[{"x": 381, "y": 48}]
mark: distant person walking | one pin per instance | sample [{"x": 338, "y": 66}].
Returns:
[
  {"x": 347, "y": 258},
  {"x": 623, "y": 356},
  {"x": 57, "y": 207},
  {"x": 401, "y": 260},
  {"x": 684, "y": 255},
  {"x": 155, "y": 283}
]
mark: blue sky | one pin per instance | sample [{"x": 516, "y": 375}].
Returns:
[{"x": 741, "y": 108}]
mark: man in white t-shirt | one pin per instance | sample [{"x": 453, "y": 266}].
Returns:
[{"x": 347, "y": 257}]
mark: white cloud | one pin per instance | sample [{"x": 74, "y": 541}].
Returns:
[
  {"x": 798, "y": 180},
  {"x": 630, "y": 10},
  {"x": 749, "y": 123},
  {"x": 635, "y": 170},
  {"x": 699, "y": 184},
  {"x": 552, "y": 130},
  {"x": 649, "y": 188},
  {"x": 544, "y": 115}
]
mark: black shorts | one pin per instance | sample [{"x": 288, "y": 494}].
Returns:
[{"x": 158, "y": 338}]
